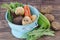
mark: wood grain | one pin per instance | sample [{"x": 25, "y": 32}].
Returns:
[{"x": 5, "y": 33}]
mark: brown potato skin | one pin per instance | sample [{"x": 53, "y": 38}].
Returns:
[
  {"x": 50, "y": 17},
  {"x": 55, "y": 25},
  {"x": 46, "y": 9}
]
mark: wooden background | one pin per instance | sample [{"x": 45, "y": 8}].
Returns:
[{"x": 5, "y": 33}]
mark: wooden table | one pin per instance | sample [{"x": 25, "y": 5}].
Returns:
[{"x": 5, "y": 33}]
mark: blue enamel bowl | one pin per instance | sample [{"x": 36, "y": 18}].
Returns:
[{"x": 20, "y": 31}]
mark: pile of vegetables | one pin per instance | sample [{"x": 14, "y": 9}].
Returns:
[{"x": 20, "y": 14}]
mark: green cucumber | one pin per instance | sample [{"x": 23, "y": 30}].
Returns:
[{"x": 43, "y": 21}]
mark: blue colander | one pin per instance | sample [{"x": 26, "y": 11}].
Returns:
[{"x": 20, "y": 31}]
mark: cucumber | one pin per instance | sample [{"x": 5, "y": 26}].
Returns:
[{"x": 43, "y": 21}]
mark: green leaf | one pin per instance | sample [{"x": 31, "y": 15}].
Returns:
[
  {"x": 33, "y": 35},
  {"x": 6, "y": 6},
  {"x": 18, "y": 4},
  {"x": 12, "y": 5},
  {"x": 10, "y": 17}
]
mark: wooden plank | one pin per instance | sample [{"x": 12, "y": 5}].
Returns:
[
  {"x": 50, "y": 2},
  {"x": 2, "y": 16},
  {"x": 3, "y": 24},
  {"x": 7, "y": 36}
]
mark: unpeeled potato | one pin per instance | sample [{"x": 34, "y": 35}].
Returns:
[
  {"x": 55, "y": 25},
  {"x": 50, "y": 17},
  {"x": 46, "y": 9}
]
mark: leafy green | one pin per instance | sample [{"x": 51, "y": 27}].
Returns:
[
  {"x": 18, "y": 4},
  {"x": 6, "y": 6},
  {"x": 9, "y": 16},
  {"x": 12, "y": 6},
  {"x": 39, "y": 33}
]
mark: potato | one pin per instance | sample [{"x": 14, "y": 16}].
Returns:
[
  {"x": 55, "y": 25},
  {"x": 49, "y": 17},
  {"x": 26, "y": 20},
  {"x": 19, "y": 11},
  {"x": 33, "y": 17},
  {"x": 46, "y": 9},
  {"x": 18, "y": 20}
]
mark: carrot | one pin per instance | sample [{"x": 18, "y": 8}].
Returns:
[{"x": 27, "y": 11}]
